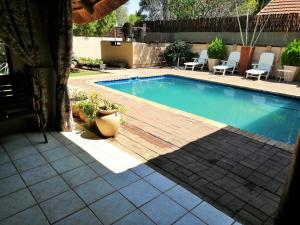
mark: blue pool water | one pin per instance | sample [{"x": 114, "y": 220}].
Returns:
[{"x": 269, "y": 115}]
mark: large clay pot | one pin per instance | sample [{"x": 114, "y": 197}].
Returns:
[
  {"x": 212, "y": 63},
  {"x": 75, "y": 108},
  {"x": 245, "y": 59},
  {"x": 108, "y": 122},
  {"x": 82, "y": 115},
  {"x": 291, "y": 76}
]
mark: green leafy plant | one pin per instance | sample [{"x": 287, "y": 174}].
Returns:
[
  {"x": 291, "y": 55},
  {"x": 178, "y": 50},
  {"x": 78, "y": 95},
  {"x": 89, "y": 61},
  {"x": 108, "y": 105},
  {"x": 216, "y": 49},
  {"x": 90, "y": 106}
]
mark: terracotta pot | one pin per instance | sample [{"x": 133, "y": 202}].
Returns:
[
  {"x": 245, "y": 59},
  {"x": 291, "y": 76},
  {"x": 108, "y": 122},
  {"x": 212, "y": 63},
  {"x": 82, "y": 115},
  {"x": 75, "y": 108}
]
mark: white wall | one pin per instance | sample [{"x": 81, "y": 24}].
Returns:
[{"x": 89, "y": 47}]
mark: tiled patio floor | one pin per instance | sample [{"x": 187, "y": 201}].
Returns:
[
  {"x": 78, "y": 178},
  {"x": 241, "y": 174}
]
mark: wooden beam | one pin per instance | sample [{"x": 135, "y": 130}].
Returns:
[{"x": 87, "y": 6}]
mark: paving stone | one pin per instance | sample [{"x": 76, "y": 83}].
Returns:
[
  {"x": 162, "y": 210},
  {"x": 38, "y": 174},
  {"x": 211, "y": 215},
  {"x": 159, "y": 181},
  {"x": 15, "y": 202},
  {"x": 119, "y": 180},
  {"x": 111, "y": 208},
  {"x": 49, "y": 188},
  {"x": 56, "y": 153},
  {"x": 61, "y": 206},
  {"x": 86, "y": 157},
  {"x": 66, "y": 164},
  {"x": 22, "y": 152},
  {"x": 93, "y": 190},
  {"x": 135, "y": 218},
  {"x": 82, "y": 217},
  {"x": 4, "y": 158},
  {"x": 142, "y": 170},
  {"x": 30, "y": 162},
  {"x": 31, "y": 216},
  {"x": 79, "y": 176},
  {"x": 7, "y": 170},
  {"x": 183, "y": 197},
  {"x": 139, "y": 192},
  {"x": 99, "y": 168},
  {"x": 232, "y": 202},
  {"x": 189, "y": 219},
  {"x": 246, "y": 218},
  {"x": 11, "y": 184}
]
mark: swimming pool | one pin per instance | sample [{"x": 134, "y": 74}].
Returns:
[{"x": 265, "y": 114}]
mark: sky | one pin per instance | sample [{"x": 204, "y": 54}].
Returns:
[{"x": 133, "y": 6}]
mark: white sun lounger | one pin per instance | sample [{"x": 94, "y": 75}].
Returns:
[
  {"x": 264, "y": 66},
  {"x": 198, "y": 62},
  {"x": 229, "y": 65}
]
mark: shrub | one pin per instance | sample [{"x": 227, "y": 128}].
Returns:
[
  {"x": 89, "y": 61},
  {"x": 178, "y": 49},
  {"x": 216, "y": 49},
  {"x": 291, "y": 55}
]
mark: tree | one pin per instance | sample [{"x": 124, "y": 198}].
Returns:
[
  {"x": 96, "y": 28},
  {"x": 122, "y": 15},
  {"x": 154, "y": 9},
  {"x": 134, "y": 18}
]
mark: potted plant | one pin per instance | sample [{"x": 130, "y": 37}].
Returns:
[
  {"x": 127, "y": 31},
  {"x": 76, "y": 97},
  {"x": 88, "y": 108},
  {"x": 290, "y": 59},
  {"x": 216, "y": 51},
  {"x": 108, "y": 118}
]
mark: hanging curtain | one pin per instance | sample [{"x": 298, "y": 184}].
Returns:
[
  {"x": 63, "y": 62},
  {"x": 16, "y": 30}
]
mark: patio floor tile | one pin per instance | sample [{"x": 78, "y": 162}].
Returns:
[
  {"x": 48, "y": 188},
  {"x": 30, "y": 162},
  {"x": 56, "y": 153},
  {"x": 26, "y": 218},
  {"x": 93, "y": 190},
  {"x": 79, "y": 176},
  {"x": 15, "y": 203},
  {"x": 22, "y": 152},
  {"x": 159, "y": 181},
  {"x": 16, "y": 143},
  {"x": 140, "y": 192},
  {"x": 74, "y": 148},
  {"x": 111, "y": 208},
  {"x": 163, "y": 210},
  {"x": 11, "y": 184},
  {"x": 183, "y": 197},
  {"x": 66, "y": 164},
  {"x": 119, "y": 180},
  {"x": 189, "y": 219},
  {"x": 82, "y": 217},
  {"x": 142, "y": 170},
  {"x": 4, "y": 158},
  {"x": 86, "y": 157},
  {"x": 99, "y": 168},
  {"x": 7, "y": 169},
  {"x": 211, "y": 215},
  {"x": 52, "y": 143},
  {"x": 38, "y": 174},
  {"x": 135, "y": 218},
  {"x": 61, "y": 206}
]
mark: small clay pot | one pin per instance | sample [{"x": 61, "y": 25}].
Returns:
[
  {"x": 82, "y": 115},
  {"x": 75, "y": 108}
]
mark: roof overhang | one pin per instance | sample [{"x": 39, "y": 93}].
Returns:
[{"x": 85, "y": 11}]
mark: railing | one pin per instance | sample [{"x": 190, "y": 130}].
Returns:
[{"x": 275, "y": 23}]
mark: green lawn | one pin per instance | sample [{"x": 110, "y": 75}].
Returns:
[{"x": 85, "y": 73}]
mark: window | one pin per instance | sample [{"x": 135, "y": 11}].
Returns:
[{"x": 3, "y": 60}]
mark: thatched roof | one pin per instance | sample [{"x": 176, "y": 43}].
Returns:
[
  {"x": 85, "y": 11},
  {"x": 281, "y": 7}
]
